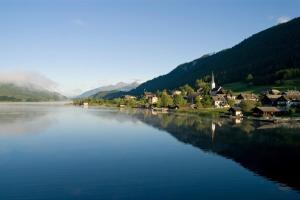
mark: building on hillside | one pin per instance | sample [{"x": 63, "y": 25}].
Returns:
[
  {"x": 246, "y": 96},
  {"x": 148, "y": 94},
  {"x": 219, "y": 101},
  {"x": 274, "y": 92},
  {"x": 151, "y": 98},
  {"x": 235, "y": 111},
  {"x": 129, "y": 97},
  {"x": 270, "y": 99},
  {"x": 218, "y": 90},
  {"x": 289, "y": 99},
  {"x": 265, "y": 111},
  {"x": 229, "y": 96},
  {"x": 176, "y": 92},
  {"x": 283, "y": 101}
]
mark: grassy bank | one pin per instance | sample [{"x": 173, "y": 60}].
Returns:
[{"x": 238, "y": 87}]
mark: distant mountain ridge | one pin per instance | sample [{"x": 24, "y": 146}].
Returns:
[
  {"x": 263, "y": 55},
  {"x": 118, "y": 87}
]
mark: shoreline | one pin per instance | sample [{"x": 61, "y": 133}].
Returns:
[{"x": 212, "y": 112}]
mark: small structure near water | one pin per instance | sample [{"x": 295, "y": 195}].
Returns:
[
  {"x": 235, "y": 111},
  {"x": 85, "y": 104},
  {"x": 266, "y": 111}
]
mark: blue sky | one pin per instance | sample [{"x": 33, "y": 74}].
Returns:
[{"x": 88, "y": 43}]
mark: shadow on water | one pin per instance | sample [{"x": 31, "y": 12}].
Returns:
[{"x": 269, "y": 150}]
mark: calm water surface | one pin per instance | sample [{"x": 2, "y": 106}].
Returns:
[{"x": 64, "y": 152}]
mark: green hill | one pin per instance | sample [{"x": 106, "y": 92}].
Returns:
[
  {"x": 271, "y": 56},
  {"x": 13, "y": 93},
  {"x": 239, "y": 87}
]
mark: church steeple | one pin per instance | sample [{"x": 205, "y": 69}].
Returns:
[{"x": 213, "y": 84}]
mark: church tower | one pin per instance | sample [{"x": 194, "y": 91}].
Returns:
[{"x": 213, "y": 84}]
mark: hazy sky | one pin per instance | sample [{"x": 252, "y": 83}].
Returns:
[{"x": 85, "y": 44}]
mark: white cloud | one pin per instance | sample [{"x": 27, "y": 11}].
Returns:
[
  {"x": 283, "y": 19},
  {"x": 28, "y": 79}
]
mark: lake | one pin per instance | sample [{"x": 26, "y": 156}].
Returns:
[{"x": 65, "y": 152}]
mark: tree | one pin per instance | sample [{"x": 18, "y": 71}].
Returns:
[
  {"x": 179, "y": 100},
  {"x": 166, "y": 100},
  {"x": 203, "y": 86},
  {"x": 247, "y": 105},
  {"x": 231, "y": 102},
  {"x": 186, "y": 89},
  {"x": 206, "y": 101},
  {"x": 249, "y": 78},
  {"x": 198, "y": 102}
]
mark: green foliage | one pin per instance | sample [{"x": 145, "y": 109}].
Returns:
[
  {"x": 239, "y": 87},
  {"x": 247, "y": 105},
  {"x": 198, "y": 102},
  {"x": 288, "y": 73},
  {"x": 165, "y": 99},
  {"x": 206, "y": 101},
  {"x": 179, "y": 101},
  {"x": 187, "y": 89},
  {"x": 202, "y": 86},
  {"x": 230, "y": 102}
]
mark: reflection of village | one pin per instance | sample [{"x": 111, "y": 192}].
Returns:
[{"x": 270, "y": 150}]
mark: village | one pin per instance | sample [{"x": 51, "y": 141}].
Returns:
[{"x": 269, "y": 103}]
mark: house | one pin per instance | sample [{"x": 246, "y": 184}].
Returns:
[
  {"x": 274, "y": 92},
  {"x": 288, "y": 99},
  {"x": 176, "y": 92},
  {"x": 270, "y": 99},
  {"x": 229, "y": 96},
  {"x": 235, "y": 111},
  {"x": 219, "y": 101},
  {"x": 294, "y": 98},
  {"x": 151, "y": 98},
  {"x": 265, "y": 111},
  {"x": 85, "y": 104},
  {"x": 246, "y": 96},
  {"x": 283, "y": 101},
  {"x": 218, "y": 90},
  {"x": 148, "y": 94},
  {"x": 129, "y": 97}
]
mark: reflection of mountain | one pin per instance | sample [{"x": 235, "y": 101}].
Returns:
[
  {"x": 272, "y": 153},
  {"x": 20, "y": 119}
]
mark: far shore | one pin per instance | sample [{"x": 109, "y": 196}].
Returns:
[{"x": 38, "y": 103}]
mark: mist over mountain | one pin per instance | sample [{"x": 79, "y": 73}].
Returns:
[{"x": 27, "y": 87}]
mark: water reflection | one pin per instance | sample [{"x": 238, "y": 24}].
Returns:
[
  {"x": 23, "y": 119},
  {"x": 270, "y": 150}
]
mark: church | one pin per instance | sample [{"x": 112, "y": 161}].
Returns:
[{"x": 215, "y": 90}]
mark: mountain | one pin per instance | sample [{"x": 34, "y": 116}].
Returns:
[
  {"x": 17, "y": 93},
  {"x": 269, "y": 56},
  {"x": 102, "y": 91}
]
